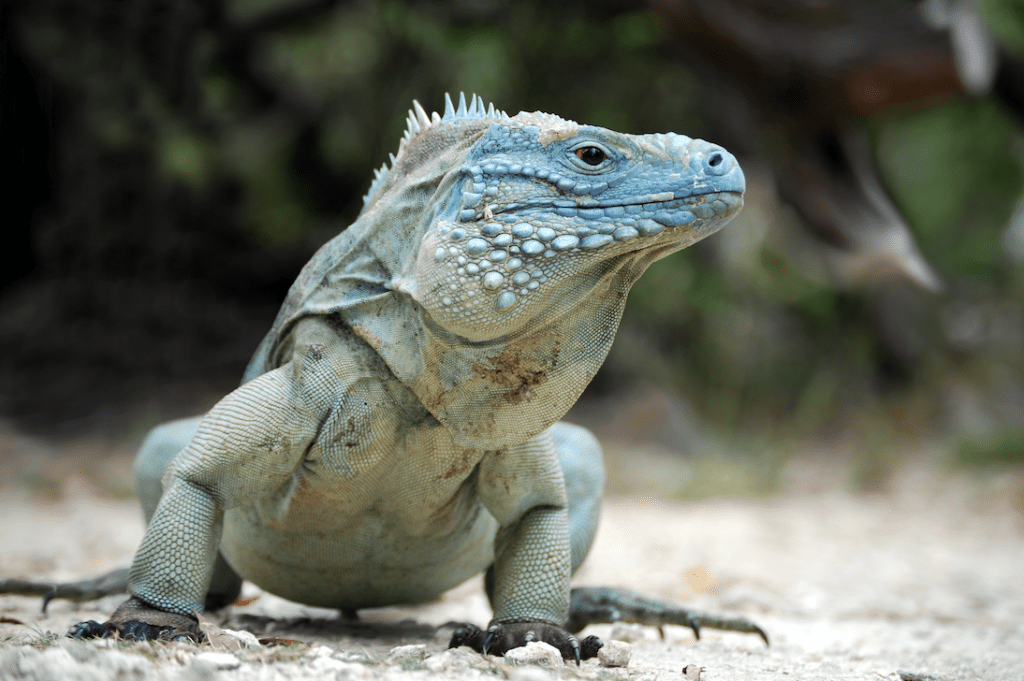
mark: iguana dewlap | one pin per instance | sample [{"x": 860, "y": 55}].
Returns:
[{"x": 397, "y": 430}]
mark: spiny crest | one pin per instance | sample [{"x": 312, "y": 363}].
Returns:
[{"x": 418, "y": 121}]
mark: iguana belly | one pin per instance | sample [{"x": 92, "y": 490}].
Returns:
[{"x": 327, "y": 555}]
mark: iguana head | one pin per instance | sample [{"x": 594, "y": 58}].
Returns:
[{"x": 544, "y": 212}]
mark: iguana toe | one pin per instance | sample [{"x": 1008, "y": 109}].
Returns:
[
  {"x": 90, "y": 629},
  {"x": 468, "y": 635},
  {"x": 589, "y": 647}
]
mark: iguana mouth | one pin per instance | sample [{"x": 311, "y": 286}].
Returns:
[{"x": 566, "y": 224}]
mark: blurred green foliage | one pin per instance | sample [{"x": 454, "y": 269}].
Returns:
[
  {"x": 1006, "y": 19},
  {"x": 953, "y": 171},
  {"x": 994, "y": 449}
]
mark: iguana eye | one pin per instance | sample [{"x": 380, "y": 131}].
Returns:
[{"x": 591, "y": 155}]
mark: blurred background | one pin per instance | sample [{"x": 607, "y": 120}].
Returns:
[{"x": 172, "y": 164}]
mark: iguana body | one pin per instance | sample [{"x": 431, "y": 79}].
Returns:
[{"x": 396, "y": 432}]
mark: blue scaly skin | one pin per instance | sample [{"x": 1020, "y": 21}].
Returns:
[{"x": 397, "y": 430}]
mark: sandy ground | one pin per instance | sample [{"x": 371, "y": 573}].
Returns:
[{"x": 926, "y": 579}]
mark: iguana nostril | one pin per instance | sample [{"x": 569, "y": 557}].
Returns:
[{"x": 718, "y": 162}]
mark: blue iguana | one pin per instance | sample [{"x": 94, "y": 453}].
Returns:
[{"x": 397, "y": 431}]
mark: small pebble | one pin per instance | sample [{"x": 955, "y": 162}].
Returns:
[
  {"x": 615, "y": 654},
  {"x": 236, "y": 639},
  {"x": 691, "y": 672},
  {"x": 535, "y": 652}
]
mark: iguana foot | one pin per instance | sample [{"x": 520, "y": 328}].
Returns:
[
  {"x": 601, "y": 605},
  {"x": 135, "y": 620},
  {"x": 500, "y": 638}
]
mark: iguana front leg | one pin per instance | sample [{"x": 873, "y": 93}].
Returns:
[
  {"x": 524, "y": 489},
  {"x": 530, "y": 589},
  {"x": 531, "y": 584},
  {"x": 247, "y": 446}
]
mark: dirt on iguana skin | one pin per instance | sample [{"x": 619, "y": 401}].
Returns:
[{"x": 927, "y": 578}]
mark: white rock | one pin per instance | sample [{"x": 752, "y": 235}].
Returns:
[
  {"x": 615, "y": 654},
  {"x": 226, "y": 639},
  {"x": 413, "y": 653},
  {"x": 691, "y": 672},
  {"x": 536, "y": 652},
  {"x": 218, "y": 660},
  {"x": 245, "y": 639},
  {"x": 321, "y": 651}
]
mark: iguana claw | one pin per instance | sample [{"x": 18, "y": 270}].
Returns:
[
  {"x": 90, "y": 629},
  {"x": 492, "y": 635},
  {"x": 694, "y": 624}
]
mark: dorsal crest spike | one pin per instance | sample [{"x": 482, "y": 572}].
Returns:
[
  {"x": 421, "y": 116},
  {"x": 417, "y": 121},
  {"x": 412, "y": 125},
  {"x": 472, "y": 109}
]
